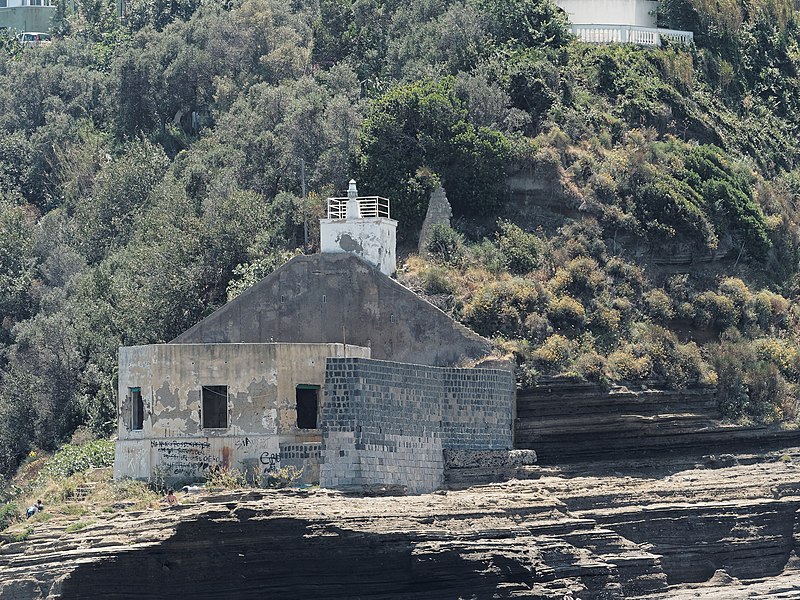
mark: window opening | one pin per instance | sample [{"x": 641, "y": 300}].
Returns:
[
  {"x": 307, "y": 397},
  {"x": 137, "y": 408},
  {"x": 215, "y": 406}
]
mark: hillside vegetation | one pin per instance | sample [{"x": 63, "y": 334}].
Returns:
[{"x": 150, "y": 170}]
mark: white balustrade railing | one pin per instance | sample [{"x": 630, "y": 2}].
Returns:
[
  {"x": 368, "y": 207},
  {"x": 629, "y": 34}
]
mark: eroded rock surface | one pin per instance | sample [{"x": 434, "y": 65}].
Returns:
[{"x": 725, "y": 527}]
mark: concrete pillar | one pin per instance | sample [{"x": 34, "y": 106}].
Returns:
[{"x": 353, "y": 211}]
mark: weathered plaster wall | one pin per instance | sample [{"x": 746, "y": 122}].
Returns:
[
  {"x": 336, "y": 297},
  {"x": 386, "y": 423},
  {"x": 262, "y": 417},
  {"x": 372, "y": 239},
  {"x": 610, "y": 12},
  {"x": 26, "y": 18}
]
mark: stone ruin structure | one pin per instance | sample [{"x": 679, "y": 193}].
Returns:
[
  {"x": 439, "y": 213},
  {"x": 328, "y": 365}
]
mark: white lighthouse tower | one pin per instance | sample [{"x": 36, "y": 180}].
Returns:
[{"x": 361, "y": 226}]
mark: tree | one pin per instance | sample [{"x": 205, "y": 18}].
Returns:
[{"x": 424, "y": 126}]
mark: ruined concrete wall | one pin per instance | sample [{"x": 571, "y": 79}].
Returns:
[
  {"x": 262, "y": 433},
  {"x": 386, "y": 423},
  {"x": 336, "y": 297},
  {"x": 439, "y": 213}
]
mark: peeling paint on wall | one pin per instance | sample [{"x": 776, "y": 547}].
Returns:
[
  {"x": 261, "y": 381},
  {"x": 348, "y": 244}
]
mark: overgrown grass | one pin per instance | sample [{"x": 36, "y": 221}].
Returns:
[
  {"x": 75, "y": 483},
  {"x": 9, "y": 514},
  {"x": 78, "y": 526},
  {"x": 19, "y": 536}
]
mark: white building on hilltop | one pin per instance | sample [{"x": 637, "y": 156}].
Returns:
[
  {"x": 26, "y": 15},
  {"x": 619, "y": 21}
]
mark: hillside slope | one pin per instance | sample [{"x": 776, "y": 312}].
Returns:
[{"x": 628, "y": 214}]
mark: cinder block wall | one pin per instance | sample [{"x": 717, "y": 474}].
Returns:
[{"x": 387, "y": 423}]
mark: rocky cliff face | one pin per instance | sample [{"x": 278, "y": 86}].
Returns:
[
  {"x": 654, "y": 529},
  {"x": 566, "y": 422},
  {"x": 638, "y": 494}
]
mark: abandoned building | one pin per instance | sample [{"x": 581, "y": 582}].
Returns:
[{"x": 328, "y": 365}]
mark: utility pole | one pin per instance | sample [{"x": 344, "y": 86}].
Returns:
[{"x": 305, "y": 208}]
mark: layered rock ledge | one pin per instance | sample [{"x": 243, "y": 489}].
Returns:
[{"x": 723, "y": 527}]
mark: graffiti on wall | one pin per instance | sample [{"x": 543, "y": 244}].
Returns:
[
  {"x": 184, "y": 457},
  {"x": 270, "y": 461},
  {"x": 195, "y": 457}
]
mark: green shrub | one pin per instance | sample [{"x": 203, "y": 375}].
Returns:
[
  {"x": 488, "y": 255},
  {"x": 623, "y": 365},
  {"x": 591, "y": 366},
  {"x": 581, "y": 278},
  {"x": 750, "y": 389},
  {"x": 623, "y": 305},
  {"x": 742, "y": 214},
  {"x": 446, "y": 245},
  {"x": 583, "y": 237},
  {"x": 502, "y": 307},
  {"x": 768, "y": 391},
  {"x": 678, "y": 288},
  {"x": 566, "y": 313},
  {"x": 536, "y": 327},
  {"x": 676, "y": 364},
  {"x": 790, "y": 403},
  {"x": 715, "y": 310},
  {"x": 127, "y": 488},
  {"x": 770, "y": 309},
  {"x": 520, "y": 248},
  {"x": 735, "y": 289},
  {"x": 685, "y": 310},
  {"x": 9, "y": 514},
  {"x": 606, "y": 322},
  {"x": 628, "y": 278},
  {"x": 554, "y": 354},
  {"x": 283, "y": 477},
  {"x": 437, "y": 280},
  {"x": 526, "y": 372},
  {"x": 659, "y": 304},
  {"x": 667, "y": 208},
  {"x": 779, "y": 352},
  {"x": 226, "y": 478},
  {"x": 70, "y": 459}
]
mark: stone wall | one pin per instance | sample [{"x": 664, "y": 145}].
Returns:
[{"x": 387, "y": 423}]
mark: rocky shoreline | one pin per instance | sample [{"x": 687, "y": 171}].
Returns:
[{"x": 711, "y": 527}]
